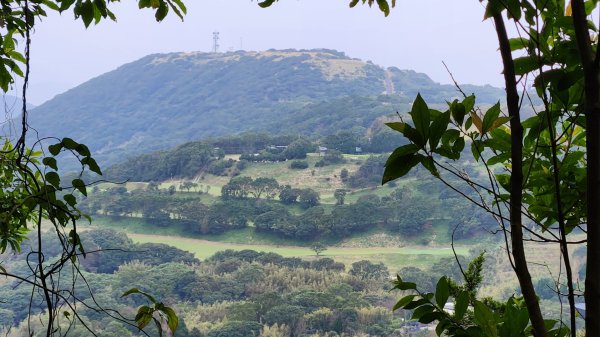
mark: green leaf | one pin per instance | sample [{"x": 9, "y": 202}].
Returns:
[
  {"x": 172, "y": 319},
  {"x": 513, "y": 8},
  {"x": 91, "y": 163},
  {"x": 409, "y": 132},
  {"x": 420, "y": 116},
  {"x": 162, "y": 11},
  {"x": 53, "y": 178},
  {"x": 500, "y": 158},
  {"x": 137, "y": 291},
  {"x": 400, "y": 167},
  {"x": 476, "y": 149},
  {"x": 397, "y": 126},
  {"x": 143, "y": 317},
  {"x": 499, "y": 122},
  {"x": 131, "y": 291},
  {"x": 266, "y": 3},
  {"x": 50, "y": 162},
  {"x": 422, "y": 310},
  {"x": 414, "y": 136},
  {"x": 17, "y": 56},
  {"x": 441, "y": 326},
  {"x": 430, "y": 317},
  {"x": 450, "y": 136},
  {"x": 402, "y": 151},
  {"x": 486, "y": 319},
  {"x": 88, "y": 218},
  {"x": 401, "y": 285},
  {"x": 55, "y": 149},
  {"x": 546, "y": 78},
  {"x": 504, "y": 181},
  {"x": 69, "y": 143},
  {"x": 101, "y": 7},
  {"x": 518, "y": 43},
  {"x": 490, "y": 118},
  {"x": 469, "y": 122},
  {"x": 51, "y": 4},
  {"x": 469, "y": 103},
  {"x": 526, "y": 64},
  {"x": 70, "y": 199},
  {"x": 181, "y": 6},
  {"x": 80, "y": 186},
  {"x": 353, "y": 3},
  {"x": 515, "y": 319},
  {"x": 384, "y": 7},
  {"x": 403, "y": 301},
  {"x": 82, "y": 150},
  {"x": 458, "y": 112},
  {"x": 87, "y": 14},
  {"x": 461, "y": 305},
  {"x": 97, "y": 15},
  {"x": 458, "y": 146},
  {"x": 493, "y": 7},
  {"x": 438, "y": 127},
  {"x": 66, "y": 4},
  {"x": 430, "y": 165},
  {"x": 406, "y": 286},
  {"x": 176, "y": 8},
  {"x": 111, "y": 15},
  {"x": 442, "y": 292}
]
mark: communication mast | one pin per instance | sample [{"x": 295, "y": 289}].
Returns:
[{"x": 215, "y": 42}]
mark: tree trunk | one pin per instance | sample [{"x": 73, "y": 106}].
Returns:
[
  {"x": 592, "y": 120},
  {"x": 516, "y": 183}
]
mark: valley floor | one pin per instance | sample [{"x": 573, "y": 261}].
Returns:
[{"x": 394, "y": 257}]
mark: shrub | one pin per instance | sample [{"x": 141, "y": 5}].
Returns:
[{"x": 299, "y": 165}]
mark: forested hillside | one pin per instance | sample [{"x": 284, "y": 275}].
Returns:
[{"x": 164, "y": 100}]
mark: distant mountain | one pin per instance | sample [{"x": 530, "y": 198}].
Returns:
[{"x": 163, "y": 100}]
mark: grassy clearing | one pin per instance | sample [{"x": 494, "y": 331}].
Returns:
[
  {"x": 394, "y": 258},
  {"x": 325, "y": 180},
  {"x": 236, "y": 236},
  {"x": 380, "y": 191}
]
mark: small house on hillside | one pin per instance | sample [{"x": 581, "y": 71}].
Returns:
[{"x": 322, "y": 151}]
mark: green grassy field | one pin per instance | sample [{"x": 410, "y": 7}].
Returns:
[
  {"x": 246, "y": 235},
  {"x": 394, "y": 258},
  {"x": 394, "y": 251},
  {"x": 324, "y": 180}
]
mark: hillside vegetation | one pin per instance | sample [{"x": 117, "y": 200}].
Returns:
[
  {"x": 319, "y": 198},
  {"x": 164, "y": 100}
]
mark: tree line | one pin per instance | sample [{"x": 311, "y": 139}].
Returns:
[
  {"x": 268, "y": 207},
  {"x": 207, "y": 156}
]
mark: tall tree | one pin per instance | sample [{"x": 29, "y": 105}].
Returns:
[{"x": 551, "y": 161}]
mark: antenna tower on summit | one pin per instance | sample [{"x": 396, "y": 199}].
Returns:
[{"x": 215, "y": 42}]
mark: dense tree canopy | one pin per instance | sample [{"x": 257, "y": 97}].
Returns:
[
  {"x": 551, "y": 164},
  {"x": 551, "y": 161}
]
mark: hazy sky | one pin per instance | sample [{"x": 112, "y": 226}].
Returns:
[{"x": 418, "y": 34}]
